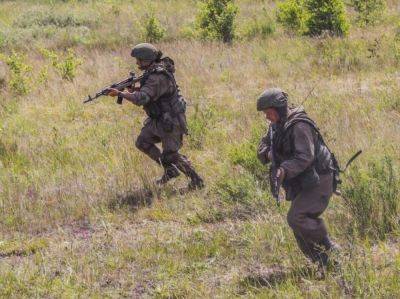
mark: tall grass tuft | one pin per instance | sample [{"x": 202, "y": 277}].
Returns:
[{"x": 373, "y": 196}]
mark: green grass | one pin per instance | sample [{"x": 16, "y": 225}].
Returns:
[{"x": 74, "y": 219}]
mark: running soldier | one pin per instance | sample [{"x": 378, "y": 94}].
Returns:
[{"x": 165, "y": 107}]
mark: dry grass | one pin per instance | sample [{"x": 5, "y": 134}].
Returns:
[{"x": 73, "y": 219}]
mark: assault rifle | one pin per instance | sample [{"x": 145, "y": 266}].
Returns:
[
  {"x": 274, "y": 181},
  {"x": 129, "y": 82}
]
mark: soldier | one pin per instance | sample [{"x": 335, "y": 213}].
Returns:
[
  {"x": 160, "y": 97},
  {"x": 305, "y": 169}
]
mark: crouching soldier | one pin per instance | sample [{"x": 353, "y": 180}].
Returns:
[
  {"x": 160, "y": 97},
  {"x": 304, "y": 168}
]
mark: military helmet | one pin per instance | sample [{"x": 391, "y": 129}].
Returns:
[
  {"x": 145, "y": 51},
  {"x": 272, "y": 98}
]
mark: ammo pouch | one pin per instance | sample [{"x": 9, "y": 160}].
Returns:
[
  {"x": 178, "y": 105},
  {"x": 167, "y": 122},
  {"x": 178, "y": 109},
  {"x": 309, "y": 178},
  {"x": 153, "y": 110}
]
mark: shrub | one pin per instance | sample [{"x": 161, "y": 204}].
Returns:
[
  {"x": 373, "y": 197},
  {"x": 326, "y": 16},
  {"x": 369, "y": 11},
  {"x": 65, "y": 66},
  {"x": 216, "y": 19},
  {"x": 153, "y": 30},
  {"x": 20, "y": 73},
  {"x": 292, "y": 15}
]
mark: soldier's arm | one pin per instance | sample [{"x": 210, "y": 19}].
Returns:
[
  {"x": 264, "y": 147},
  {"x": 155, "y": 86},
  {"x": 303, "y": 155}
]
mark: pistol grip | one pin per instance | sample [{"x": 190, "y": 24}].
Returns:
[{"x": 119, "y": 100}]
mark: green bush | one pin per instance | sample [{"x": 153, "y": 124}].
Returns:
[
  {"x": 66, "y": 66},
  {"x": 326, "y": 16},
  {"x": 153, "y": 30},
  {"x": 215, "y": 19},
  {"x": 369, "y": 11},
  {"x": 292, "y": 15},
  {"x": 373, "y": 197},
  {"x": 19, "y": 73}
]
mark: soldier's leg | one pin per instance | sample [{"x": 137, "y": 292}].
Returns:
[
  {"x": 171, "y": 144},
  {"x": 146, "y": 142},
  {"x": 303, "y": 217}
]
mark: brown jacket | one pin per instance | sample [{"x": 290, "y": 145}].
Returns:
[{"x": 298, "y": 149}]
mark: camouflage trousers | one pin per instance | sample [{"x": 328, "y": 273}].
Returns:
[
  {"x": 171, "y": 139},
  {"x": 304, "y": 218}
]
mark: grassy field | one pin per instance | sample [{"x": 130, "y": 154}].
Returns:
[{"x": 75, "y": 217}]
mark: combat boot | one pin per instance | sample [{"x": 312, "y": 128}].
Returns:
[
  {"x": 329, "y": 258},
  {"x": 196, "y": 182},
  {"x": 330, "y": 245},
  {"x": 170, "y": 172}
]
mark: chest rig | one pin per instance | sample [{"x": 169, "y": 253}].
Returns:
[
  {"x": 172, "y": 103},
  {"x": 285, "y": 150}
]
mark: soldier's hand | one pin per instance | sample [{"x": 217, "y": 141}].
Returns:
[
  {"x": 280, "y": 174},
  {"x": 112, "y": 92}
]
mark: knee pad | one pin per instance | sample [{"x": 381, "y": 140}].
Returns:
[{"x": 142, "y": 145}]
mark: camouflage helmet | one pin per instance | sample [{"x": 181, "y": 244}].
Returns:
[
  {"x": 145, "y": 51},
  {"x": 272, "y": 98}
]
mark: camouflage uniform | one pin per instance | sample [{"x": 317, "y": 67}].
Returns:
[
  {"x": 166, "y": 123},
  {"x": 308, "y": 182}
]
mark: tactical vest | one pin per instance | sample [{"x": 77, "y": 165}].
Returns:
[
  {"x": 284, "y": 149},
  {"x": 173, "y": 103},
  {"x": 322, "y": 159}
]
